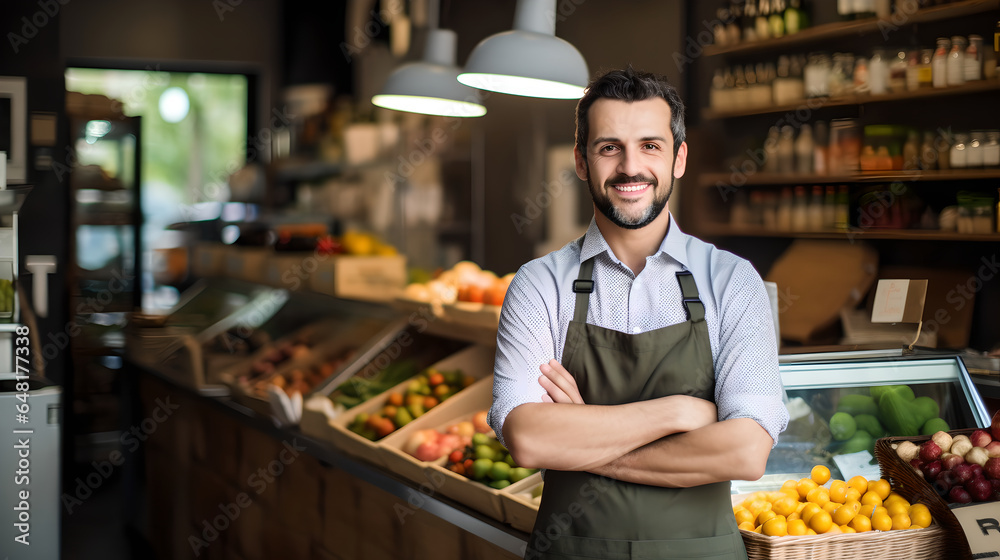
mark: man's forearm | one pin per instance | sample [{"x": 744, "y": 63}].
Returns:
[
  {"x": 734, "y": 449},
  {"x": 583, "y": 437}
]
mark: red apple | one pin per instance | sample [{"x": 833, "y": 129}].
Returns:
[
  {"x": 930, "y": 451},
  {"x": 995, "y": 483},
  {"x": 931, "y": 470},
  {"x": 917, "y": 465},
  {"x": 992, "y": 469},
  {"x": 980, "y": 438},
  {"x": 963, "y": 472},
  {"x": 979, "y": 489},
  {"x": 977, "y": 470},
  {"x": 951, "y": 460},
  {"x": 945, "y": 481},
  {"x": 959, "y": 495},
  {"x": 995, "y": 425}
]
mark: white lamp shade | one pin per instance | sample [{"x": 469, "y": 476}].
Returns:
[
  {"x": 529, "y": 60},
  {"x": 430, "y": 86}
]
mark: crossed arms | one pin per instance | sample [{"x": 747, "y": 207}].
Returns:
[{"x": 674, "y": 441}]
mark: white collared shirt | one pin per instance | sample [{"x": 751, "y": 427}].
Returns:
[{"x": 540, "y": 302}]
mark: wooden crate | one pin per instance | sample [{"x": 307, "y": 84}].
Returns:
[
  {"x": 519, "y": 510},
  {"x": 378, "y": 278}
]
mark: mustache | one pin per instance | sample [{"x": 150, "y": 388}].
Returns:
[{"x": 622, "y": 178}]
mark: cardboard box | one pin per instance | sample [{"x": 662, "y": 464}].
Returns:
[{"x": 377, "y": 278}]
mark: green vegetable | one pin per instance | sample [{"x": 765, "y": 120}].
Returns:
[
  {"x": 933, "y": 426},
  {"x": 870, "y": 424},
  {"x": 926, "y": 407},
  {"x": 403, "y": 417},
  {"x": 901, "y": 390},
  {"x": 857, "y": 404},
  {"x": 481, "y": 467},
  {"x": 898, "y": 414},
  {"x": 842, "y": 426},
  {"x": 860, "y": 441}
]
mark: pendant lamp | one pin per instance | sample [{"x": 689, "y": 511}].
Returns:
[
  {"x": 528, "y": 60},
  {"x": 429, "y": 86}
]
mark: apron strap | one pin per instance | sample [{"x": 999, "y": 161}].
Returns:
[
  {"x": 693, "y": 306},
  {"x": 583, "y": 286}
]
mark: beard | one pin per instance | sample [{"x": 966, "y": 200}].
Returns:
[{"x": 616, "y": 215}]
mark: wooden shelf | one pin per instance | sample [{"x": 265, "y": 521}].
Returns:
[
  {"x": 715, "y": 180},
  {"x": 826, "y": 32},
  {"x": 816, "y": 103},
  {"x": 721, "y": 230}
]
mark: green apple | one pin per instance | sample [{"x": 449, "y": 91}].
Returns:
[{"x": 481, "y": 468}]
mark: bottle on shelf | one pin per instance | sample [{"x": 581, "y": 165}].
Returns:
[
  {"x": 771, "y": 150},
  {"x": 925, "y": 74},
  {"x": 761, "y": 25},
  {"x": 816, "y": 75},
  {"x": 769, "y": 210},
  {"x": 974, "y": 149},
  {"x": 991, "y": 148},
  {"x": 878, "y": 73},
  {"x": 859, "y": 79},
  {"x": 795, "y": 17},
  {"x": 733, "y": 29},
  {"x": 719, "y": 35},
  {"x": 739, "y": 216},
  {"x": 787, "y": 87},
  {"x": 973, "y": 68},
  {"x": 815, "y": 210},
  {"x": 955, "y": 67},
  {"x": 842, "y": 221},
  {"x": 911, "y": 151},
  {"x": 897, "y": 70},
  {"x": 928, "y": 153},
  {"x": 717, "y": 93},
  {"x": 750, "y": 21},
  {"x": 786, "y": 150},
  {"x": 805, "y": 150},
  {"x": 939, "y": 64},
  {"x": 821, "y": 139},
  {"x": 830, "y": 208},
  {"x": 783, "y": 218},
  {"x": 800, "y": 210},
  {"x": 776, "y": 20}
]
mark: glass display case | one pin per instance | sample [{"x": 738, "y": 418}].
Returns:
[{"x": 839, "y": 407}]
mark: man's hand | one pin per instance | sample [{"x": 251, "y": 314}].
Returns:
[{"x": 559, "y": 384}]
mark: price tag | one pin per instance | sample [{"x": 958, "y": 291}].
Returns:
[
  {"x": 981, "y": 524},
  {"x": 899, "y": 301},
  {"x": 854, "y": 464}
]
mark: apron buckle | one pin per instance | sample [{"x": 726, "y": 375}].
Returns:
[{"x": 583, "y": 286}]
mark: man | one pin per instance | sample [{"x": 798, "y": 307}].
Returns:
[{"x": 658, "y": 366}]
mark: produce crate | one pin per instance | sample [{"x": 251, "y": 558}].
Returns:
[
  {"x": 930, "y": 543},
  {"x": 473, "y": 314},
  {"x": 337, "y": 338},
  {"x": 322, "y": 420},
  {"x": 519, "y": 510},
  {"x": 459, "y": 408},
  {"x": 379, "y": 278},
  {"x": 914, "y": 488}
]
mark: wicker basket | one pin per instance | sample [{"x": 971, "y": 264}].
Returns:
[
  {"x": 914, "y": 488},
  {"x": 914, "y": 544}
]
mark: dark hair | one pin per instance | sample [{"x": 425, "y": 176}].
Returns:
[{"x": 630, "y": 85}]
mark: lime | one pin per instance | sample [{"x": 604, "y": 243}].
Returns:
[
  {"x": 842, "y": 426},
  {"x": 500, "y": 471},
  {"x": 481, "y": 468}
]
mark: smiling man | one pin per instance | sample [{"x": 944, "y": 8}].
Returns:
[{"x": 637, "y": 364}]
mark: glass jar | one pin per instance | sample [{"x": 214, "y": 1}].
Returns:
[
  {"x": 816, "y": 75},
  {"x": 974, "y": 149},
  {"x": 840, "y": 78},
  {"x": 973, "y": 68},
  {"x": 991, "y": 148},
  {"x": 958, "y": 156},
  {"x": 939, "y": 63},
  {"x": 860, "y": 77},
  {"x": 913, "y": 70},
  {"x": 925, "y": 77},
  {"x": 955, "y": 67},
  {"x": 878, "y": 73},
  {"x": 897, "y": 71}
]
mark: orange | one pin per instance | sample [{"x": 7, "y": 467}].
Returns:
[
  {"x": 792, "y": 516},
  {"x": 820, "y": 474},
  {"x": 861, "y": 524},
  {"x": 796, "y": 527},
  {"x": 809, "y": 511},
  {"x": 920, "y": 516},
  {"x": 831, "y": 507},
  {"x": 744, "y": 516},
  {"x": 838, "y": 491},
  {"x": 901, "y": 521},
  {"x": 746, "y": 526},
  {"x": 766, "y": 516},
  {"x": 819, "y": 496},
  {"x": 844, "y": 514},
  {"x": 852, "y": 494},
  {"x": 790, "y": 492},
  {"x": 897, "y": 508},
  {"x": 758, "y": 506},
  {"x": 776, "y": 527},
  {"x": 790, "y": 483},
  {"x": 834, "y": 530},
  {"x": 847, "y": 529},
  {"x": 858, "y": 483},
  {"x": 821, "y": 522},
  {"x": 881, "y": 522},
  {"x": 871, "y": 497},
  {"x": 805, "y": 486},
  {"x": 785, "y": 506},
  {"x": 880, "y": 487},
  {"x": 810, "y": 531}
]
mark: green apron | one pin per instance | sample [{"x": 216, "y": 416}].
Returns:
[{"x": 583, "y": 515}]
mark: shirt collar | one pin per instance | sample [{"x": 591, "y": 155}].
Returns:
[{"x": 674, "y": 244}]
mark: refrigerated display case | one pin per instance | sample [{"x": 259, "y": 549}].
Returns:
[{"x": 838, "y": 407}]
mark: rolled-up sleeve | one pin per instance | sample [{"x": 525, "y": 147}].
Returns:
[
  {"x": 748, "y": 382},
  {"x": 524, "y": 342}
]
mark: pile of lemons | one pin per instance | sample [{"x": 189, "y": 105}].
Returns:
[{"x": 811, "y": 507}]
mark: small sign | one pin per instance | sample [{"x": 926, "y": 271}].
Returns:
[
  {"x": 854, "y": 464},
  {"x": 981, "y": 524},
  {"x": 899, "y": 301}
]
